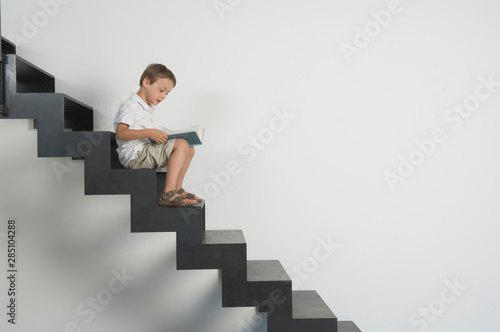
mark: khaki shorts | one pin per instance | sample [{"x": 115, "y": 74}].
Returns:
[{"x": 153, "y": 156}]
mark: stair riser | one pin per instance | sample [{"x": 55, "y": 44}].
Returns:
[
  {"x": 313, "y": 325},
  {"x": 226, "y": 256},
  {"x": 248, "y": 294}
]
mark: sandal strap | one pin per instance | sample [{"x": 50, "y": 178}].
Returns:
[
  {"x": 168, "y": 196},
  {"x": 187, "y": 195},
  {"x": 177, "y": 201}
]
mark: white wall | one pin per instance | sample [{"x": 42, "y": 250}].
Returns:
[{"x": 321, "y": 176}]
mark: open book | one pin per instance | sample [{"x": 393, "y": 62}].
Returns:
[{"x": 193, "y": 135}]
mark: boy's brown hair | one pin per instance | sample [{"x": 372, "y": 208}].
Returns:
[{"x": 156, "y": 71}]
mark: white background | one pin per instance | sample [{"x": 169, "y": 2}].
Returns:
[{"x": 321, "y": 178}]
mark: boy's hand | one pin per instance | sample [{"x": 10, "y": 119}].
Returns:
[{"x": 157, "y": 135}]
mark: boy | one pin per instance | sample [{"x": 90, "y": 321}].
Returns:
[{"x": 134, "y": 127}]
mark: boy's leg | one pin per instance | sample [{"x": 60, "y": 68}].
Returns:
[
  {"x": 177, "y": 166},
  {"x": 185, "y": 166},
  {"x": 184, "y": 169}
]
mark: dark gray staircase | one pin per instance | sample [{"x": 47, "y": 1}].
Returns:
[{"x": 65, "y": 129}]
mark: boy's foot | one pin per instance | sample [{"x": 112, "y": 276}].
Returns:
[
  {"x": 189, "y": 195},
  {"x": 172, "y": 198}
]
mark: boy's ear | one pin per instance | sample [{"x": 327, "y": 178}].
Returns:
[{"x": 146, "y": 81}]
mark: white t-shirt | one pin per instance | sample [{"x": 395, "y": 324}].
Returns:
[{"x": 136, "y": 113}]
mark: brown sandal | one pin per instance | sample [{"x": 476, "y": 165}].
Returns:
[
  {"x": 189, "y": 195},
  {"x": 167, "y": 200}
]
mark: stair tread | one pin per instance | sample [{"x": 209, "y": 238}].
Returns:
[
  {"x": 270, "y": 270},
  {"x": 309, "y": 305},
  {"x": 223, "y": 237},
  {"x": 347, "y": 327}
]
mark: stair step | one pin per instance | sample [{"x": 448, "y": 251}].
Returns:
[
  {"x": 271, "y": 277},
  {"x": 77, "y": 115},
  {"x": 271, "y": 270},
  {"x": 347, "y": 327},
  {"x": 223, "y": 237},
  {"x": 30, "y": 78},
  {"x": 219, "y": 249},
  {"x": 309, "y": 305},
  {"x": 115, "y": 161}
]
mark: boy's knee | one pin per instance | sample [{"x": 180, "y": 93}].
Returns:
[
  {"x": 191, "y": 151},
  {"x": 181, "y": 143}
]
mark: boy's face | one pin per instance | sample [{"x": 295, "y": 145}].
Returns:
[{"x": 154, "y": 93}]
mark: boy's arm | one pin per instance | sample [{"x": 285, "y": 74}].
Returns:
[{"x": 124, "y": 133}]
